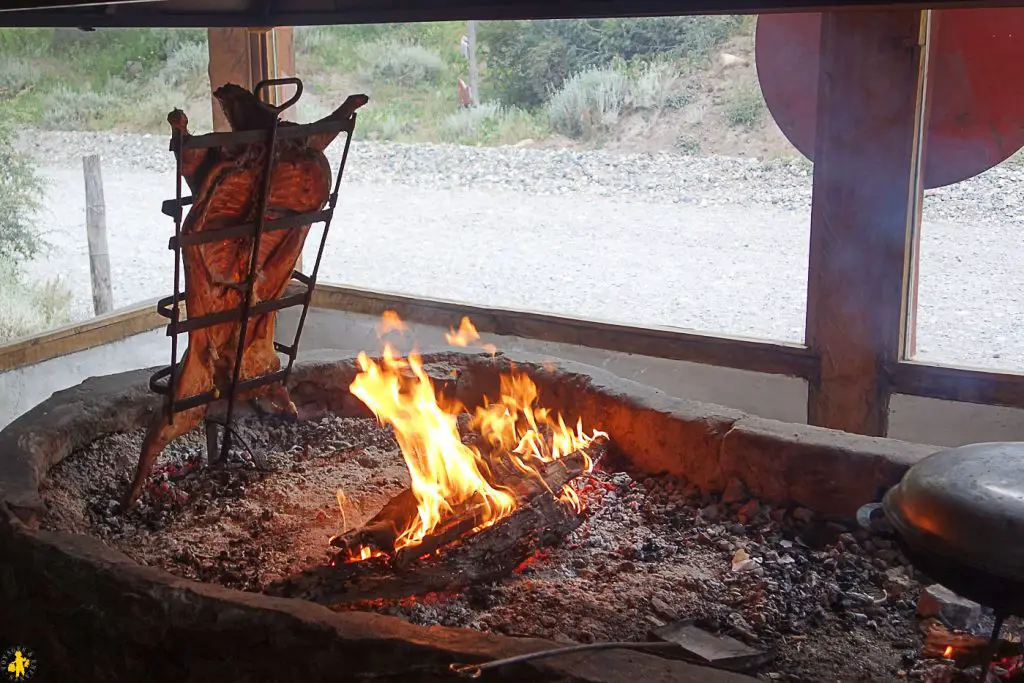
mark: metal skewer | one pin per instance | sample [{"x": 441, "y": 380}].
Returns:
[{"x": 475, "y": 670}]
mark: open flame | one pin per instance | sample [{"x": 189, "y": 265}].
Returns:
[{"x": 446, "y": 472}]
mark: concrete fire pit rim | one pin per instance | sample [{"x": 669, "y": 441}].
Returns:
[
  {"x": 71, "y": 418},
  {"x": 378, "y": 637},
  {"x": 54, "y": 425},
  {"x": 712, "y": 445}
]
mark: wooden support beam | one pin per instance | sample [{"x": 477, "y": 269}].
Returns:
[
  {"x": 864, "y": 176},
  {"x": 755, "y": 355},
  {"x": 951, "y": 383},
  {"x": 63, "y": 341},
  {"x": 244, "y": 57}
]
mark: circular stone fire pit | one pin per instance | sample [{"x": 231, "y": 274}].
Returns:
[{"x": 716, "y": 486}]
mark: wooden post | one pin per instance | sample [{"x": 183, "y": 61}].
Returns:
[
  {"x": 474, "y": 84},
  {"x": 931, "y": 25},
  {"x": 96, "y": 229},
  {"x": 244, "y": 57},
  {"x": 864, "y": 180}
]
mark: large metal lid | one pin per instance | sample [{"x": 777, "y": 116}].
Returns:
[{"x": 967, "y": 506}]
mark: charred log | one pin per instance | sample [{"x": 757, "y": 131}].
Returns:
[{"x": 486, "y": 556}]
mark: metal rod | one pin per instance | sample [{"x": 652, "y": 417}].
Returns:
[
  {"x": 311, "y": 285},
  {"x": 474, "y": 670},
  {"x": 172, "y": 380},
  {"x": 254, "y": 261},
  {"x": 992, "y": 649}
]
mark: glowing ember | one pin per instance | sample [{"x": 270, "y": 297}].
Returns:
[
  {"x": 948, "y": 654},
  {"x": 445, "y": 472}
]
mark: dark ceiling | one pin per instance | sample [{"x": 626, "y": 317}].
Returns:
[{"x": 200, "y": 13}]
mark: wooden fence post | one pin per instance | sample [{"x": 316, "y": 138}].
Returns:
[
  {"x": 864, "y": 180},
  {"x": 474, "y": 80},
  {"x": 96, "y": 228}
]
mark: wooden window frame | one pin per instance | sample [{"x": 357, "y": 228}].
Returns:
[{"x": 862, "y": 278}]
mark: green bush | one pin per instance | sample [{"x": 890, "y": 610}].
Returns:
[
  {"x": 403, "y": 64},
  {"x": 590, "y": 102},
  {"x": 16, "y": 75},
  {"x": 745, "y": 108},
  {"x": 187, "y": 65},
  {"x": 489, "y": 123},
  {"x": 21, "y": 192},
  {"x": 527, "y": 59}
]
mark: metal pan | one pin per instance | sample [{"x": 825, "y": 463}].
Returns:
[{"x": 958, "y": 516}]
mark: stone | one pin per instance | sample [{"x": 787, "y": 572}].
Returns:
[
  {"x": 888, "y": 555},
  {"x": 802, "y": 514},
  {"x": 711, "y": 512},
  {"x": 831, "y": 472},
  {"x": 735, "y": 492},
  {"x": 896, "y": 582},
  {"x": 939, "y": 601},
  {"x": 749, "y": 511},
  {"x": 663, "y": 610}
]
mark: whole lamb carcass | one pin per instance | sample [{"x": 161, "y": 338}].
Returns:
[{"x": 226, "y": 185}]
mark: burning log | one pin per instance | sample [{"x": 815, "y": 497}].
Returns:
[
  {"x": 381, "y": 533},
  {"x": 540, "y": 519},
  {"x": 486, "y": 556},
  {"x": 226, "y": 185},
  {"x": 966, "y": 649}
]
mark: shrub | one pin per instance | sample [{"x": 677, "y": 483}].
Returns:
[
  {"x": 16, "y": 75},
  {"x": 27, "y": 308},
  {"x": 688, "y": 145},
  {"x": 489, "y": 123},
  {"x": 20, "y": 196},
  {"x": 403, "y": 64},
  {"x": 187, "y": 65},
  {"x": 527, "y": 59},
  {"x": 745, "y": 107},
  {"x": 69, "y": 109},
  {"x": 591, "y": 102}
]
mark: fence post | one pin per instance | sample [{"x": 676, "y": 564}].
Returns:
[
  {"x": 474, "y": 91},
  {"x": 96, "y": 228}
]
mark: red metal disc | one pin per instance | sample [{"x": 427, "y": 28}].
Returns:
[{"x": 976, "y": 114}]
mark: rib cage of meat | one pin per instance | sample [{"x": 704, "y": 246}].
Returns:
[{"x": 227, "y": 183}]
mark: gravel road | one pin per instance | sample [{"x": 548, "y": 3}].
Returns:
[{"x": 710, "y": 243}]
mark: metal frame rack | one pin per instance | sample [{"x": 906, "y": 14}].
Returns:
[{"x": 164, "y": 381}]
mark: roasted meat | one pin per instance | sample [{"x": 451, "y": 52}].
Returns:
[{"x": 226, "y": 185}]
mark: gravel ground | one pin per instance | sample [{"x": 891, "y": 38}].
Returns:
[{"x": 710, "y": 243}]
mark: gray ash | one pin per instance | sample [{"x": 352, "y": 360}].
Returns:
[{"x": 830, "y": 601}]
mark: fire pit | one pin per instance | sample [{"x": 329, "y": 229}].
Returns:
[{"x": 650, "y": 510}]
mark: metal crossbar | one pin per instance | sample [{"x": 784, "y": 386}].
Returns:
[{"x": 164, "y": 381}]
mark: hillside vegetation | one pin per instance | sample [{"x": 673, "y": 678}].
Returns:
[{"x": 680, "y": 83}]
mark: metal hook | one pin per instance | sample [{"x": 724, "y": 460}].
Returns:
[{"x": 274, "y": 82}]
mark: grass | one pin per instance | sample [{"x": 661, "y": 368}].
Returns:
[
  {"x": 28, "y": 308},
  {"x": 745, "y": 108}
]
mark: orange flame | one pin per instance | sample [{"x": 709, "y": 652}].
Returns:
[
  {"x": 445, "y": 472},
  {"x": 948, "y": 653},
  {"x": 390, "y": 322},
  {"x": 466, "y": 334}
]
